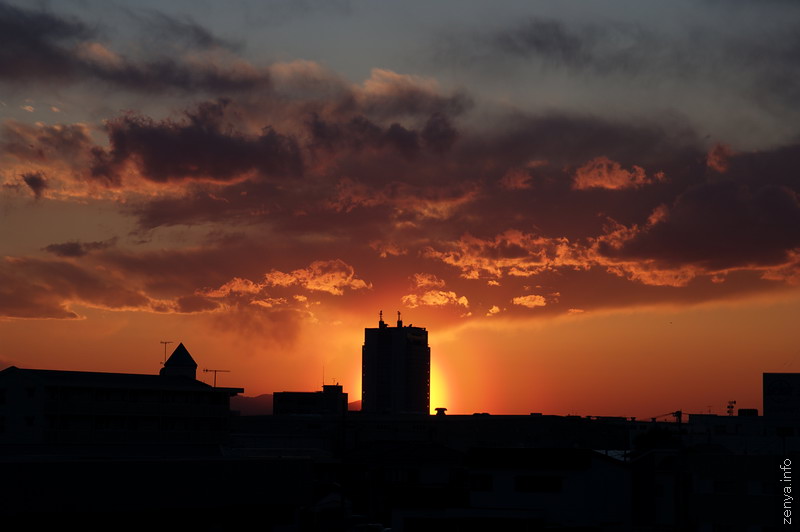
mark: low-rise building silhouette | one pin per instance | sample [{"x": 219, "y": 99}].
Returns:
[
  {"x": 40, "y": 406},
  {"x": 331, "y": 401}
]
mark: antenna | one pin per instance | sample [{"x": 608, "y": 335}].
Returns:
[
  {"x": 215, "y": 371},
  {"x": 165, "y": 349}
]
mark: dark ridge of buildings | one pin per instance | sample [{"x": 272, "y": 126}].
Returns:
[
  {"x": 781, "y": 392},
  {"x": 396, "y": 369},
  {"x": 331, "y": 401},
  {"x": 315, "y": 466},
  {"x": 51, "y": 407}
]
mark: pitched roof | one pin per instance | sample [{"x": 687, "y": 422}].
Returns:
[{"x": 180, "y": 358}]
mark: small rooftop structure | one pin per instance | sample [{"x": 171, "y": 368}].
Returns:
[{"x": 180, "y": 364}]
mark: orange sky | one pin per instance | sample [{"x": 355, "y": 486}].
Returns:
[
  {"x": 576, "y": 238},
  {"x": 634, "y": 362}
]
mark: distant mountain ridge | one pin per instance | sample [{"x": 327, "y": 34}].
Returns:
[{"x": 261, "y": 405}]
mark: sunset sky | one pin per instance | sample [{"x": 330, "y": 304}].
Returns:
[{"x": 591, "y": 206}]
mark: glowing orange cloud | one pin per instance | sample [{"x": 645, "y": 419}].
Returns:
[
  {"x": 602, "y": 172},
  {"x": 435, "y": 298},
  {"x": 718, "y": 157},
  {"x": 530, "y": 301}
]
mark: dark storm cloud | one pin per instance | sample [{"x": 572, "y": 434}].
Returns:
[
  {"x": 391, "y": 161},
  {"x": 279, "y": 12},
  {"x": 393, "y": 96},
  {"x": 743, "y": 213},
  {"x": 759, "y": 62},
  {"x": 360, "y": 133},
  {"x": 41, "y": 46},
  {"x": 37, "y": 44},
  {"x": 59, "y": 143},
  {"x": 723, "y": 225},
  {"x": 356, "y": 134},
  {"x": 603, "y": 48},
  {"x": 168, "y": 30},
  {"x": 242, "y": 203},
  {"x": 195, "y": 303},
  {"x": 363, "y": 175},
  {"x": 439, "y": 133},
  {"x": 196, "y": 147},
  {"x": 34, "y": 288},
  {"x": 779, "y": 166},
  {"x": 169, "y": 274},
  {"x": 165, "y": 73},
  {"x": 77, "y": 249},
  {"x": 573, "y": 139},
  {"x": 36, "y": 182},
  {"x": 216, "y": 278},
  {"x": 548, "y": 38},
  {"x": 165, "y": 281}
]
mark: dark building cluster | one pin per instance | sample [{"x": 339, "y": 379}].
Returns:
[{"x": 106, "y": 448}]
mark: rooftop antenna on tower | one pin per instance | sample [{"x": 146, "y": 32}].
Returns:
[
  {"x": 215, "y": 371},
  {"x": 165, "y": 349}
]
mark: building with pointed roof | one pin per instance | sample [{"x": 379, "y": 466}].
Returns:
[
  {"x": 39, "y": 406},
  {"x": 180, "y": 364}
]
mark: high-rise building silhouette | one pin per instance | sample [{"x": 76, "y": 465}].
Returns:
[{"x": 396, "y": 369}]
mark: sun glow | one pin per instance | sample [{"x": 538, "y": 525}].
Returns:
[{"x": 439, "y": 395}]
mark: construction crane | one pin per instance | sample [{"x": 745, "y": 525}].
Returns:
[{"x": 215, "y": 371}]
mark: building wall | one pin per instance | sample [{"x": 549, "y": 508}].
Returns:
[
  {"x": 781, "y": 394},
  {"x": 331, "y": 401},
  {"x": 32, "y": 413},
  {"x": 396, "y": 370}
]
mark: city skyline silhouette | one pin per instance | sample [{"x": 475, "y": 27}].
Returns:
[
  {"x": 327, "y": 467},
  {"x": 585, "y": 215}
]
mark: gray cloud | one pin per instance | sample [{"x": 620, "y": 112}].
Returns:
[
  {"x": 170, "y": 31},
  {"x": 200, "y": 146},
  {"x": 747, "y": 61},
  {"x": 34, "y": 288},
  {"x": 77, "y": 249},
  {"x": 42, "y": 46},
  {"x": 36, "y": 182},
  {"x": 37, "y": 45}
]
